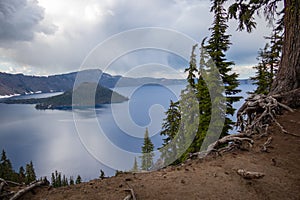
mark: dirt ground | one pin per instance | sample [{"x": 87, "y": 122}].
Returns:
[{"x": 213, "y": 178}]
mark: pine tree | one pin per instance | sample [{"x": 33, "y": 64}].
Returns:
[
  {"x": 21, "y": 175},
  {"x": 30, "y": 173},
  {"x": 135, "y": 167},
  {"x": 102, "y": 174},
  {"x": 71, "y": 180},
  {"x": 59, "y": 180},
  {"x": 192, "y": 69},
  {"x": 269, "y": 60},
  {"x": 147, "y": 152},
  {"x": 217, "y": 46},
  {"x": 263, "y": 77},
  {"x": 170, "y": 128},
  {"x": 53, "y": 180},
  {"x": 6, "y": 170},
  {"x": 64, "y": 181},
  {"x": 78, "y": 179}
]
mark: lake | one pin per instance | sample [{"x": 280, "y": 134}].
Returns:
[{"x": 85, "y": 141}]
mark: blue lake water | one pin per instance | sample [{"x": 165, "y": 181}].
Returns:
[{"x": 85, "y": 141}]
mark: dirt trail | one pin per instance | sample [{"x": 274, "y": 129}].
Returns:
[{"x": 213, "y": 178}]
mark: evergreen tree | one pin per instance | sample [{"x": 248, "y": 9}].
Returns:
[
  {"x": 53, "y": 180},
  {"x": 269, "y": 60},
  {"x": 170, "y": 128},
  {"x": 59, "y": 180},
  {"x": 287, "y": 78},
  {"x": 78, "y": 179},
  {"x": 147, "y": 150},
  {"x": 217, "y": 46},
  {"x": 102, "y": 174},
  {"x": 6, "y": 170},
  {"x": 21, "y": 175},
  {"x": 65, "y": 181},
  {"x": 263, "y": 77},
  {"x": 135, "y": 167},
  {"x": 192, "y": 69},
  {"x": 30, "y": 173},
  {"x": 71, "y": 180}
]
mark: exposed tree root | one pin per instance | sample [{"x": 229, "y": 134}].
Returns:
[
  {"x": 253, "y": 118},
  {"x": 266, "y": 145}
]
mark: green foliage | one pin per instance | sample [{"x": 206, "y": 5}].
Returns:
[
  {"x": 57, "y": 180},
  {"x": 21, "y": 175},
  {"x": 192, "y": 69},
  {"x": 147, "y": 152},
  {"x": 202, "y": 102},
  {"x": 64, "y": 181},
  {"x": 6, "y": 170},
  {"x": 71, "y": 180},
  {"x": 170, "y": 129},
  {"x": 187, "y": 121},
  {"x": 217, "y": 46},
  {"x": 30, "y": 173},
  {"x": 269, "y": 59},
  {"x": 244, "y": 11},
  {"x": 78, "y": 179}
]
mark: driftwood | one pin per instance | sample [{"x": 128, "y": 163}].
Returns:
[
  {"x": 249, "y": 175},
  {"x": 131, "y": 195},
  {"x": 266, "y": 145},
  {"x": 28, "y": 188}
]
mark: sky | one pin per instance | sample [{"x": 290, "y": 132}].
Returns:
[{"x": 44, "y": 37}]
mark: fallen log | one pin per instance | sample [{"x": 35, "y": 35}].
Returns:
[
  {"x": 250, "y": 175},
  {"x": 29, "y": 188}
]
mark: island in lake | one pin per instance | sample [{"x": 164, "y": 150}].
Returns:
[{"x": 85, "y": 95}]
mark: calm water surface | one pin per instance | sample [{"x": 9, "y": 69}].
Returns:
[{"x": 85, "y": 141}]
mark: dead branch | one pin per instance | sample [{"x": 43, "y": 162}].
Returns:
[
  {"x": 266, "y": 145},
  {"x": 128, "y": 197},
  {"x": 30, "y": 187},
  {"x": 249, "y": 175},
  {"x": 131, "y": 195},
  {"x": 7, "y": 194},
  {"x": 2, "y": 184}
]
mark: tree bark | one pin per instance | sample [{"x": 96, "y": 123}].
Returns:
[{"x": 288, "y": 77}]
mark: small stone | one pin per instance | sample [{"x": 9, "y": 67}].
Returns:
[
  {"x": 128, "y": 179},
  {"x": 121, "y": 185},
  {"x": 182, "y": 181}
]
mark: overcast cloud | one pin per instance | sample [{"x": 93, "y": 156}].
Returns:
[{"x": 54, "y": 36}]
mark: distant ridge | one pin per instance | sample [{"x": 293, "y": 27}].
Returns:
[{"x": 11, "y": 84}]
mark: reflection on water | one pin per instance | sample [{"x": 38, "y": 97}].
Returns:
[{"x": 52, "y": 141}]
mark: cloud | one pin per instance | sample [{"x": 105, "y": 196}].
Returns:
[
  {"x": 21, "y": 19},
  {"x": 32, "y": 39}
]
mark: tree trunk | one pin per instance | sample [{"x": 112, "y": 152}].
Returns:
[{"x": 288, "y": 77}]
